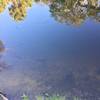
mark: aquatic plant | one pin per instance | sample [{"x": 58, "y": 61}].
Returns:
[
  {"x": 25, "y": 97},
  {"x": 76, "y": 98},
  {"x": 54, "y": 97}
]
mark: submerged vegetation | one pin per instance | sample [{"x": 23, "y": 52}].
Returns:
[
  {"x": 54, "y": 97},
  {"x": 66, "y": 11}
]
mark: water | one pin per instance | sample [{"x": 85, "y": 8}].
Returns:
[{"x": 44, "y": 55}]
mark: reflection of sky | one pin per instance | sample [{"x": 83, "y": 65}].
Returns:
[{"x": 40, "y": 36}]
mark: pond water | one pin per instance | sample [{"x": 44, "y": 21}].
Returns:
[{"x": 50, "y": 49}]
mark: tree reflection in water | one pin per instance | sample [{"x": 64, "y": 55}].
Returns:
[
  {"x": 75, "y": 12},
  {"x": 64, "y": 11}
]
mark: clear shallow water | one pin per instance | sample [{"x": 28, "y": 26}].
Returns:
[{"x": 44, "y": 55}]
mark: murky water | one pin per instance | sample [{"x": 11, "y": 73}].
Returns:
[{"x": 44, "y": 55}]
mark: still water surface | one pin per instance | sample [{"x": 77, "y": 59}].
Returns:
[{"x": 43, "y": 55}]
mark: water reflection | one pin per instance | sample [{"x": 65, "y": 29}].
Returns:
[
  {"x": 65, "y": 11},
  {"x": 74, "y": 11},
  {"x": 46, "y": 56}
]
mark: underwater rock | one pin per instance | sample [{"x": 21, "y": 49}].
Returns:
[{"x": 2, "y": 48}]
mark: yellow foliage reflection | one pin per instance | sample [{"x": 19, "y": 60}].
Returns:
[{"x": 18, "y": 8}]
